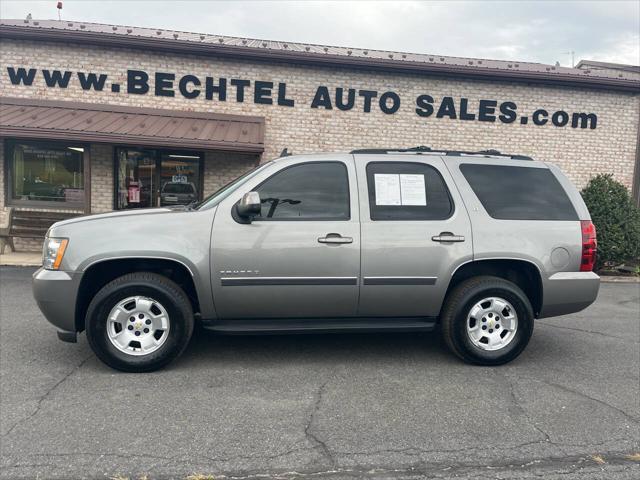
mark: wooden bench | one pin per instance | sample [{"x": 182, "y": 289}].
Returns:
[{"x": 29, "y": 224}]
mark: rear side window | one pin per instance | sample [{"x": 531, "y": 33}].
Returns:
[
  {"x": 308, "y": 191},
  {"x": 519, "y": 193},
  {"x": 407, "y": 191}
]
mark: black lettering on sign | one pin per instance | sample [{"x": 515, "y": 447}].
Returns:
[
  {"x": 89, "y": 81},
  {"x": 368, "y": 95},
  {"x": 282, "y": 96},
  {"x": 424, "y": 105},
  {"x": 447, "y": 109},
  {"x": 262, "y": 93},
  {"x": 395, "y": 102},
  {"x": 487, "y": 110},
  {"x": 56, "y": 78},
  {"x": 464, "y": 115},
  {"x": 183, "y": 86},
  {"x": 322, "y": 99},
  {"x": 351, "y": 99},
  {"x": 137, "y": 82},
  {"x": 240, "y": 86},
  {"x": 220, "y": 89},
  {"x": 540, "y": 117},
  {"x": 21, "y": 75},
  {"x": 164, "y": 84},
  {"x": 560, "y": 118},
  {"x": 586, "y": 120},
  {"x": 508, "y": 111}
]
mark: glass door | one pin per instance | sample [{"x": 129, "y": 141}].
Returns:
[
  {"x": 137, "y": 181},
  {"x": 179, "y": 178},
  {"x": 149, "y": 178}
]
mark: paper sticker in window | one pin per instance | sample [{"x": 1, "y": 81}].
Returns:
[
  {"x": 387, "y": 189},
  {"x": 412, "y": 189}
]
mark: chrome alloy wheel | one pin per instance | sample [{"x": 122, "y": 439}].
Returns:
[
  {"x": 138, "y": 325},
  {"x": 492, "y": 323}
]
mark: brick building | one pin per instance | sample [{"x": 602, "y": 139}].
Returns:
[{"x": 95, "y": 117}]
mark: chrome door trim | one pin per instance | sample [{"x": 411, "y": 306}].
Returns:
[
  {"x": 400, "y": 280},
  {"x": 256, "y": 281}
]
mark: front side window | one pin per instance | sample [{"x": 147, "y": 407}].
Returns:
[
  {"x": 407, "y": 191},
  {"x": 519, "y": 193},
  {"x": 310, "y": 191},
  {"x": 46, "y": 174}
]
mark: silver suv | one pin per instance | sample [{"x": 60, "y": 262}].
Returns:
[{"x": 477, "y": 243}]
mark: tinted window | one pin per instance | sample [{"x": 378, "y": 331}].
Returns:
[
  {"x": 407, "y": 191},
  {"x": 310, "y": 191},
  {"x": 519, "y": 193}
]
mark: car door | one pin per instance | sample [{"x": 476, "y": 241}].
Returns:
[
  {"x": 301, "y": 257},
  {"x": 415, "y": 233}
]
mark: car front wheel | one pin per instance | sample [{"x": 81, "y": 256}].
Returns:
[
  {"x": 487, "y": 320},
  {"x": 139, "y": 322}
]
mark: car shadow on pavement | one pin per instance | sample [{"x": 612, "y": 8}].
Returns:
[{"x": 271, "y": 350}]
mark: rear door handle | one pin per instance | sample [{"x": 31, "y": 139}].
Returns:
[
  {"x": 447, "y": 237},
  {"x": 335, "y": 238}
]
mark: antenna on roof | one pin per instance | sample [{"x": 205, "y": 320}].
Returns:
[
  {"x": 285, "y": 153},
  {"x": 573, "y": 58}
]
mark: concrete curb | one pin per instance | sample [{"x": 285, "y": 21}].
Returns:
[{"x": 621, "y": 279}]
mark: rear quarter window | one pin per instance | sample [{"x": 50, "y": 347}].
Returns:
[{"x": 519, "y": 193}]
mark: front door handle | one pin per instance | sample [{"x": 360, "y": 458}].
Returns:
[
  {"x": 335, "y": 239},
  {"x": 447, "y": 237}
]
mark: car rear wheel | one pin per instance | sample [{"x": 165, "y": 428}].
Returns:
[
  {"x": 487, "y": 320},
  {"x": 139, "y": 322}
]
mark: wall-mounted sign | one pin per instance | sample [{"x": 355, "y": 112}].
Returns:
[{"x": 425, "y": 105}]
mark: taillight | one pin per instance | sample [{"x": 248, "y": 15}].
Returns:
[{"x": 589, "y": 245}]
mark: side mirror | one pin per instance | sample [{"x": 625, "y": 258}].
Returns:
[{"x": 249, "y": 205}]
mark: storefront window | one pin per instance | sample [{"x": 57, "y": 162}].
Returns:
[
  {"x": 153, "y": 178},
  {"x": 46, "y": 174}
]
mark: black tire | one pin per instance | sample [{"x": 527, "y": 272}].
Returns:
[
  {"x": 147, "y": 284},
  {"x": 455, "y": 314}
]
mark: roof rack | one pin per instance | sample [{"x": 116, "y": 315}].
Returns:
[{"x": 453, "y": 153}]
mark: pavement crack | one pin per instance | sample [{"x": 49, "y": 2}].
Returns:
[
  {"x": 46, "y": 395},
  {"x": 564, "y": 388},
  {"x": 308, "y": 429},
  {"x": 516, "y": 402}
]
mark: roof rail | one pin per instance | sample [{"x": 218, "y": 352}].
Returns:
[{"x": 453, "y": 153}]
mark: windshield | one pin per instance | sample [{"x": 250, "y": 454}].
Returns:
[
  {"x": 220, "y": 194},
  {"x": 178, "y": 188}
]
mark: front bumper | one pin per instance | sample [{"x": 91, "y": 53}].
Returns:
[
  {"x": 569, "y": 292},
  {"x": 56, "y": 293}
]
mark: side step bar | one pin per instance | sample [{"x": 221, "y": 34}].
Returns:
[{"x": 243, "y": 326}]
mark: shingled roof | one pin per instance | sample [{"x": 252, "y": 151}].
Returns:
[{"x": 302, "y": 53}]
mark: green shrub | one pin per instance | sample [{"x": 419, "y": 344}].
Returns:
[{"x": 616, "y": 218}]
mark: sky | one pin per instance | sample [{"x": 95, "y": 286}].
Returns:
[{"x": 543, "y": 31}]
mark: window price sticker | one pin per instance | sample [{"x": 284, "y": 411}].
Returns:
[{"x": 399, "y": 190}]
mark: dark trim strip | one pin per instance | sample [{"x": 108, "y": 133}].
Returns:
[
  {"x": 400, "y": 280},
  {"x": 262, "y": 281}
]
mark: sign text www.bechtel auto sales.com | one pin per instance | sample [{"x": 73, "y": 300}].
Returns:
[{"x": 222, "y": 89}]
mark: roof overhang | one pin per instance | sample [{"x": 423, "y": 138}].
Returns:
[
  {"x": 93, "y": 123},
  {"x": 180, "y": 46}
]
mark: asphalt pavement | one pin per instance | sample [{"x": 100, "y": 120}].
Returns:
[{"x": 324, "y": 406}]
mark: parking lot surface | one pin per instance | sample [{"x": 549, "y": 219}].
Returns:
[{"x": 324, "y": 406}]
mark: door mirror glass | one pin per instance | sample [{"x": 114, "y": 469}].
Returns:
[{"x": 249, "y": 205}]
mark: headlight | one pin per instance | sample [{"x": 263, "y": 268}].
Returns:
[{"x": 52, "y": 252}]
